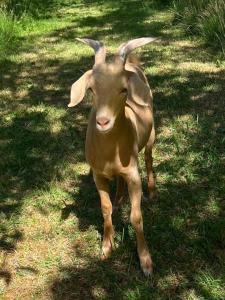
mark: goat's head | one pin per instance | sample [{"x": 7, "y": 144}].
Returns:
[{"x": 110, "y": 83}]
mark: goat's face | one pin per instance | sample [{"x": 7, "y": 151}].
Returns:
[{"x": 109, "y": 83}]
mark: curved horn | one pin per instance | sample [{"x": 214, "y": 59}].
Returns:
[
  {"x": 99, "y": 48},
  {"x": 126, "y": 48}
]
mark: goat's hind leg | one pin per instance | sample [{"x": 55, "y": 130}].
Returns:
[
  {"x": 149, "y": 166},
  {"x": 106, "y": 206},
  {"x": 120, "y": 191}
]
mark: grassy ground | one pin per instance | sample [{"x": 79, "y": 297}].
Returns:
[{"x": 51, "y": 224}]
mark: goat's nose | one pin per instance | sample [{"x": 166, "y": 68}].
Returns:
[{"x": 102, "y": 121}]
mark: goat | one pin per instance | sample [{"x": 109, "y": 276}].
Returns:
[{"x": 120, "y": 125}]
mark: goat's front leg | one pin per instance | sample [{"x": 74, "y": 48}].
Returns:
[
  {"x": 135, "y": 192},
  {"x": 106, "y": 206}
]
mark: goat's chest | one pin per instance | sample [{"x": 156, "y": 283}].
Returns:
[{"x": 109, "y": 156}]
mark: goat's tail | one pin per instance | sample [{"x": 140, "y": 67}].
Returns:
[{"x": 133, "y": 59}]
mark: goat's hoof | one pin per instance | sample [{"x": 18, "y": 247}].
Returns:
[
  {"x": 146, "y": 265},
  {"x": 106, "y": 251}
]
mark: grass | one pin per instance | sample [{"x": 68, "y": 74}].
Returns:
[
  {"x": 8, "y": 33},
  {"x": 206, "y": 18},
  {"x": 51, "y": 224},
  {"x": 20, "y": 19}
]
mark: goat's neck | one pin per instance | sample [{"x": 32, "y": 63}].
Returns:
[{"x": 120, "y": 121}]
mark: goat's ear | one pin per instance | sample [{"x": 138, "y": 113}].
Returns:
[
  {"x": 79, "y": 88},
  {"x": 138, "y": 90}
]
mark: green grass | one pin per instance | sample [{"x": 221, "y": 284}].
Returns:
[
  {"x": 22, "y": 21},
  {"x": 8, "y": 33},
  {"x": 34, "y": 8},
  {"x": 206, "y": 18},
  {"x": 50, "y": 218}
]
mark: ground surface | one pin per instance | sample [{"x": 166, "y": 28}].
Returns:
[{"x": 51, "y": 223}]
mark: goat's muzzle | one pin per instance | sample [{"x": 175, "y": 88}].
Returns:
[{"x": 103, "y": 124}]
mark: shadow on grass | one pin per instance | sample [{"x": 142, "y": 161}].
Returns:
[
  {"x": 185, "y": 241},
  {"x": 186, "y": 234},
  {"x": 34, "y": 153},
  {"x": 129, "y": 19},
  {"x": 185, "y": 228}
]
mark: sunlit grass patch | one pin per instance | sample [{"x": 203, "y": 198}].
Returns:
[{"x": 213, "y": 288}]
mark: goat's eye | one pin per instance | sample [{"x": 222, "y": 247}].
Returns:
[{"x": 123, "y": 91}]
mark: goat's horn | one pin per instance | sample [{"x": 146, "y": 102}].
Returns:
[
  {"x": 126, "y": 48},
  {"x": 99, "y": 48}
]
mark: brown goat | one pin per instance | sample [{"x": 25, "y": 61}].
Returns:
[{"x": 120, "y": 125}]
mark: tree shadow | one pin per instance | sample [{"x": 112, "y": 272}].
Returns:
[
  {"x": 185, "y": 238},
  {"x": 34, "y": 153},
  {"x": 114, "y": 21}
]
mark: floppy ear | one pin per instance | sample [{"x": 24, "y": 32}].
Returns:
[
  {"x": 138, "y": 91},
  {"x": 79, "y": 89}
]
